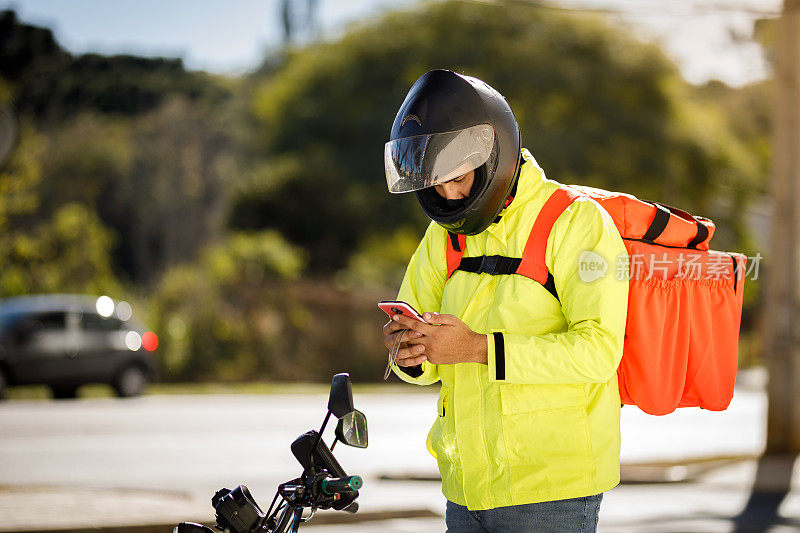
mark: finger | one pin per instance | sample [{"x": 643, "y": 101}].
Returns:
[
  {"x": 412, "y": 361},
  {"x": 411, "y": 323},
  {"x": 391, "y": 327},
  {"x": 419, "y": 340},
  {"x": 442, "y": 319},
  {"x": 404, "y": 321},
  {"x": 389, "y": 341},
  {"x": 409, "y": 351}
]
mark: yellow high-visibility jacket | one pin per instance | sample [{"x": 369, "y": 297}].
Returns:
[{"x": 549, "y": 429}]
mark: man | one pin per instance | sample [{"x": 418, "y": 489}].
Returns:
[{"x": 527, "y": 434}]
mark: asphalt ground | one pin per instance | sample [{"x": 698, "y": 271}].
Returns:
[
  {"x": 719, "y": 500},
  {"x": 144, "y": 464}
]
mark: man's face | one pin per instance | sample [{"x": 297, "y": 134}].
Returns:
[{"x": 457, "y": 188}]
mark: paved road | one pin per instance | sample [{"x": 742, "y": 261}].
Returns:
[
  {"x": 177, "y": 451},
  {"x": 157, "y": 459},
  {"x": 194, "y": 443}
]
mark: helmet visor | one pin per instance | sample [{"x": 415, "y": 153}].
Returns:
[{"x": 422, "y": 161}]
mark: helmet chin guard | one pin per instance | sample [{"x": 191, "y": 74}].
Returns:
[
  {"x": 448, "y": 125},
  {"x": 449, "y": 213}
]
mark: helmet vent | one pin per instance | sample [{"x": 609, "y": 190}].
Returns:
[{"x": 415, "y": 118}]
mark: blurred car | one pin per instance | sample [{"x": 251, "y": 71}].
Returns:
[{"x": 65, "y": 341}]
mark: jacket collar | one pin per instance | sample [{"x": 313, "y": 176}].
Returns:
[{"x": 531, "y": 178}]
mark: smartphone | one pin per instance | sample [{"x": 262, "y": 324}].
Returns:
[{"x": 399, "y": 307}]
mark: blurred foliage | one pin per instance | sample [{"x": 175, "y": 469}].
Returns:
[
  {"x": 67, "y": 251},
  {"x": 765, "y": 31},
  {"x": 205, "y": 310},
  {"x": 380, "y": 262},
  {"x": 157, "y": 180},
  {"x": 119, "y": 84},
  {"x": 143, "y": 143},
  {"x": 87, "y": 158},
  {"x": 595, "y": 107},
  {"x": 25, "y": 48},
  {"x": 173, "y": 200},
  {"x": 250, "y": 215},
  {"x": 52, "y": 84},
  {"x": 749, "y": 111},
  {"x": 240, "y": 312}
]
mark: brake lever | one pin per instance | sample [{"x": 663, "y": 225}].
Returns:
[{"x": 352, "y": 508}]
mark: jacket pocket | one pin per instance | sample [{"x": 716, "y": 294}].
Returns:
[
  {"x": 441, "y": 403},
  {"x": 546, "y": 434},
  {"x": 516, "y": 398},
  {"x": 439, "y": 428},
  {"x": 441, "y": 443}
]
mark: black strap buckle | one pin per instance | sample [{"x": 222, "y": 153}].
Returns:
[{"x": 489, "y": 264}]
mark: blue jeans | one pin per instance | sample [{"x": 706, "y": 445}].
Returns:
[{"x": 575, "y": 515}]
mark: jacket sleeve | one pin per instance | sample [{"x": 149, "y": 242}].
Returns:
[
  {"x": 590, "y": 348},
  {"x": 422, "y": 287}
]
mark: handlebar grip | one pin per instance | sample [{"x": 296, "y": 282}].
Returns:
[{"x": 341, "y": 484}]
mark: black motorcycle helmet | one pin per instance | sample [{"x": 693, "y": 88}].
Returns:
[{"x": 448, "y": 125}]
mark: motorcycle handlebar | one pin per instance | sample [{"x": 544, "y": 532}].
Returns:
[{"x": 341, "y": 484}]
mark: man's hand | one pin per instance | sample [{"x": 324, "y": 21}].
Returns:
[
  {"x": 406, "y": 355},
  {"x": 444, "y": 340}
]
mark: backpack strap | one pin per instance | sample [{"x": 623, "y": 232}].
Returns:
[
  {"x": 455, "y": 251},
  {"x": 532, "y": 263}
]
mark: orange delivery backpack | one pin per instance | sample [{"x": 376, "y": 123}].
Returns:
[{"x": 684, "y": 300}]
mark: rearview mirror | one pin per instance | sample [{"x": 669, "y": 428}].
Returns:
[
  {"x": 352, "y": 429},
  {"x": 340, "y": 402}
]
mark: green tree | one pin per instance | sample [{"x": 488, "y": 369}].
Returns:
[
  {"x": 174, "y": 198},
  {"x": 216, "y": 315},
  {"x": 595, "y": 106},
  {"x": 141, "y": 142},
  {"x": 243, "y": 311},
  {"x": 87, "y": 160},
  {"x": 66, "y": 252},
  {"x": 52, "y": 84},
  {"x": 159, "y": 180}
]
